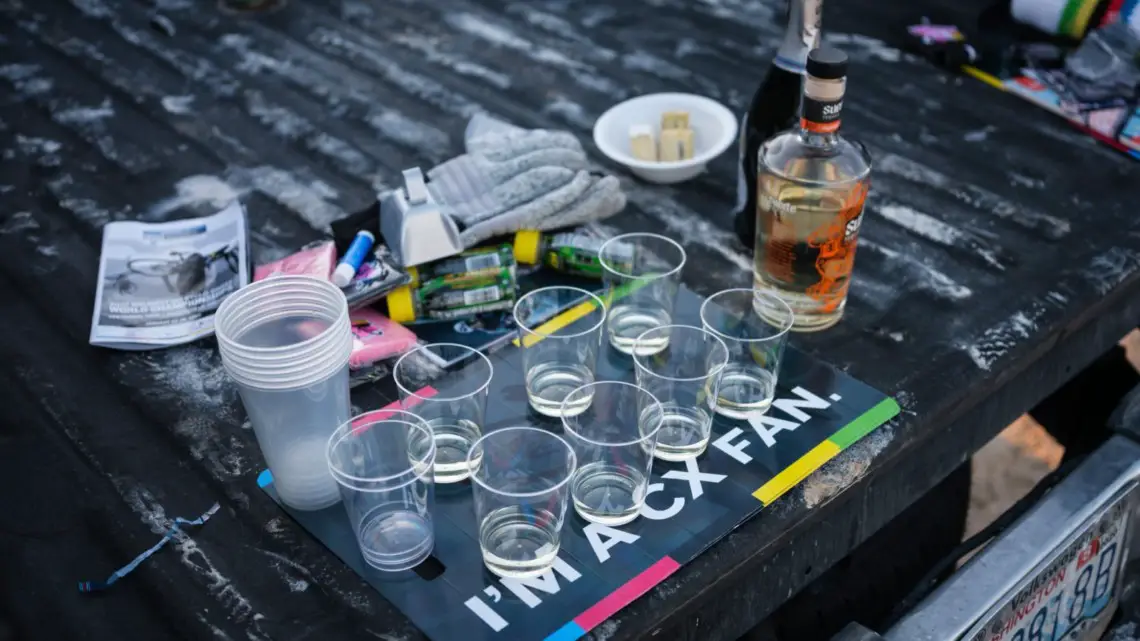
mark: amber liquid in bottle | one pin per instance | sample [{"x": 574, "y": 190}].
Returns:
[{"x": 811, "y": 187}]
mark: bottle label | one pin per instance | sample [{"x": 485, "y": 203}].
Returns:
[
  {"x": 821, "y": 116},
  {"x": 816, "y": 261}
]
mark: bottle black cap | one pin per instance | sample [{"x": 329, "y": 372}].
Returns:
[{"x": 827, "y": 63}]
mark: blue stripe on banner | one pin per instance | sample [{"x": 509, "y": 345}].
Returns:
[
  {"x": 95, "y": 586},
  {"x": 1127, "y": 10},
  {"x": 568, "y": 632}
]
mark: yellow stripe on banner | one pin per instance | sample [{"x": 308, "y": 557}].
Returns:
[
  {"x": 989, "y": 79},
  {"x": 796, "y": 472},
  {"x": 558, "y": 322},
  {"x": 1081, "y": 20}
]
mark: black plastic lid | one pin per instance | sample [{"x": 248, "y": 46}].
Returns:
[{"x": 827, "y": 63}]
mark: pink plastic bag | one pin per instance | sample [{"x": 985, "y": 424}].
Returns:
[
  {"x": 318, "y": 259},
  {"x": 376, "y": 337}
]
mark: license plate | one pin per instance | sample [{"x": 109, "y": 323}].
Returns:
[{"x": 1071, "y": 596}]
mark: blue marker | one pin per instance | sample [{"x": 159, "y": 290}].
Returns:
[{"x": 353, "y": 258}]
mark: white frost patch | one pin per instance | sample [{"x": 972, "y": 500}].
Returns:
[
  {"x": 569, "y": 111},
  {"x": 561, "y": 27},
  {"x": 922, "y": 224},
  {"x": 193, "y": 374},
  {"x": 595, "y": 16},
  {"x": 93, "y": 8},
  {"x": 583, "y": 74},
  {"x": 282, "y": 564},
  {"x": 193, "y": 190},
  {"x": 1017, "y": 179},
  {"x": 979, "y": 135},
  {"x": 47, "y": 250},
  {"x": 604, "y": 631},
  {"x": 343, "y": 153},
  {"x": 429, "y": 47},
  {"x": 214, "y": 630},
  {"x": 494, "y": 34},
  {"x": 18, "y": 222},
  {"x": 275, "y": 526},
  {"x": 310, "y": 201},
  {"x": 84, "y": 115},
  {"x": 973, "y": 196},
  {"x": 37, "y": 146},
  {"x": 911, "y": 170},
  {"x": 1109, "y": 269},
  {"x": 413, "y": 84},
  {"x": 235, "y": 605},
  {"x": 863, "y": 47},
  {"x": 279, "y": 120},
  {"x": 687, "y": 47},
  {"x": 642, "y": 61},
  {"x": 178, "y": 105},
  {"x": 751, "y": 12},
  {"x": 85, "y": 209},
  {"x": 23, "y": 78},
  {"x": 849, "y": 466},
  {"x": 998, "y": 340},
  {"x": 412, "y": 133},
  {"x": 172, "y": 5},
  {"x": 252, "y": 62},
  {"x": 928, "y": 278},
  {"x": 196, "y": 384}
]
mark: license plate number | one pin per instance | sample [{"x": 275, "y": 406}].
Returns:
[{"x": 1069, "y": 595}]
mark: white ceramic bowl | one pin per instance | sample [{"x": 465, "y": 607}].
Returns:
[{"x": 714, "y": 130}]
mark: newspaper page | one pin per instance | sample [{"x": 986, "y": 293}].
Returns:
[{"x": 160, "y": 283}]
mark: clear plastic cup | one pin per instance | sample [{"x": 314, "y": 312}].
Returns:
[
  {"x": 520, "y": 478},
  {"x": 614, "y": 440},
  {"x": 642, "y": 274},
  {"x": 286, "y": 342},
  {"x": 382, "y": 462},
  {"x": 453, "y": 403},
  {"x": 755, "y": 347},
  {"x": 557, "y": 360},
  {"x": 685, "y": 378}
]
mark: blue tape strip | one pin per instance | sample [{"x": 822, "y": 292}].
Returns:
[{"x": 95, "y": 586}]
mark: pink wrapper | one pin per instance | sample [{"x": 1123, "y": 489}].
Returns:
[
  {"x": 376, "y": 337},
  {"x": 315, "y": 260}
]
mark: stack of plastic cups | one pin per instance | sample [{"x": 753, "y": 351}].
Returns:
[{"x": 286, "y": 342}]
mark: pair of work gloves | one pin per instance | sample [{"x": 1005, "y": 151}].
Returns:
[{"x": 512, "y": 179}]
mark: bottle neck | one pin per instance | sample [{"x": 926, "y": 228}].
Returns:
[
  {"x": 802, "y": 34},
  {"x": 822, "y": 109}
]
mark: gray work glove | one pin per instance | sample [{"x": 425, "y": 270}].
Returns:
[{"x": 512, "y": 179}]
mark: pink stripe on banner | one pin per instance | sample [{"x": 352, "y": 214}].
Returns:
[
  {"x": 386, "y": 411},
  {"x": 627, "y": 593}
]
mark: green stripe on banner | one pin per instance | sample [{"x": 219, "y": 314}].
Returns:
[{"x": 887, "y": 409}]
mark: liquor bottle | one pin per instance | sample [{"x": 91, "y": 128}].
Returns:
[
  {"x": 774, "y": 107},
  {"x": 812, "y": 185}
]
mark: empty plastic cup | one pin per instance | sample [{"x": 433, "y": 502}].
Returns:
[
  {"x": 383, "y": 461},
  {"x": 286, "y": 342}
]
